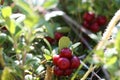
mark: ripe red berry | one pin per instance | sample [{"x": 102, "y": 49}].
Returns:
[
  {"x": 58, "y": 71},
  {"x": 67, "y": 72},
  {"x": 58, "y": 36},
  {"x": 55, "y": 59},
  {"x": 75, "y": 62},
  {"x": 94, "y": 27},
  {"x": 86, "y": 24},
  {"x": 63, "y": 63},
  {"x": 66, "y": 52},
  {"x": 101, "y": 20},
  {"x": 50, "y": 40},
  {"x": 88, "y": 16}
]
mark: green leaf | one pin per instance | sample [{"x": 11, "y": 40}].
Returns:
[
  {"x": 6, "y": 12},
  {"x": 47, "y": 57},
  {"x": 31, "y": 21},
  {"x": 63, "y": 29},
  {"x": 6, "y": 75},
  {"x": 117, "y": 42},
  {"x": 24, "y": 7},
  {"x": 11, "y": 25},
  {"x": 111, "y": 60},
  {"x": 50, "y": 4},
  {"x": 100, "y": 53},
  {"x": 46, "y": 51},
  {"x": 48, "y": 44},
  {"x": 49, "y": 29},
  {"x": 3, "y": 37},
  {"x": 75, "y": 45},
  {"x": 64, "y": 42}
]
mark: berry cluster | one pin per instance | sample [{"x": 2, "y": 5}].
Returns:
[
  {"x": 56, "y": 38},
  {"x": 93, "y": 22},
  {"x": 65, "y": 62}
]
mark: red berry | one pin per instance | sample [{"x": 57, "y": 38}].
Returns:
[
  {"x": 94, "y": 27},
  {"x": 50, "y": 40},
  {"x": 58, "y": 71},
  {"x": 66, "y": 52},
  {"x": 58, "y": 35},
  {"x": 75, "y": 62},
  {"x": 63, "y": 63},
  {"x": 67, "y": 72},
  {"x": 55, "y": 59},
  {"x": 86, "y": 24},
  {"x": 101, "y": 20},
  {"x": 88, "y": 16}
]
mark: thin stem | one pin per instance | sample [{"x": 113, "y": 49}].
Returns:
[
  {"x": 88, "y": 72},
  {"x": 109, "y": 29}
]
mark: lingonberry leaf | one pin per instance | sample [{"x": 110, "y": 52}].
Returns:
[{"x": 64, "y": 42}]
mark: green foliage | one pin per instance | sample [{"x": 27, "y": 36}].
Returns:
[
  {"x": 6, "y": 12},
  {"x": 117, "y": 42},
  {"x": 3, "y": 38},
  {"x": 6, "y": 75},
  {"x": 64, "y": 42},
  {"x": 24, "y": 50}
]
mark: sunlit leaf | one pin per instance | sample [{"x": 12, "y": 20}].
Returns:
[
  {"x": 100, "y": 53},
  {"x": 111, "y": 60},
  {"x": 11, "y": 25},
  {"x": 50, "y": 4},
  {"x": 63, "y": 29},
  {"x": 64, "y": 42},
  {"x": 6, "y": 75},
  {"x": 6, "y": 12},
  {"x": 24, "y": 7},
  {"x": 47, "y": 57},
  {"x": 117, "y": 42},
  {"x": 31, "y": 21}
]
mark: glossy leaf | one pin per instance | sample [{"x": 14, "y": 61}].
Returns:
[
  {"x": 75, "y": 45},
  {"x": 3, "y": 37},
  {"x": 64, "y": 42},
  {"x": 63, "y": 29}
]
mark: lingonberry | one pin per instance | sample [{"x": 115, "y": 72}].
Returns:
[
  {"x": 67, "y": 72},
  {"x": 50, "y": 40},
  {"x": 63, "y": 63},
  {"x": 55, "y": 59},
  {"x": 101, "y": 20},
  {"x": 66, "y": 52},
  {"x": 58, "y": 36},
  {"x": 75, "y": 62},
  {"x": 58, "y": 71},
  {"x": 94, "y": 27},
  {"x": 88, "y": 16},
  {"x": 86, "y": 24}
]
